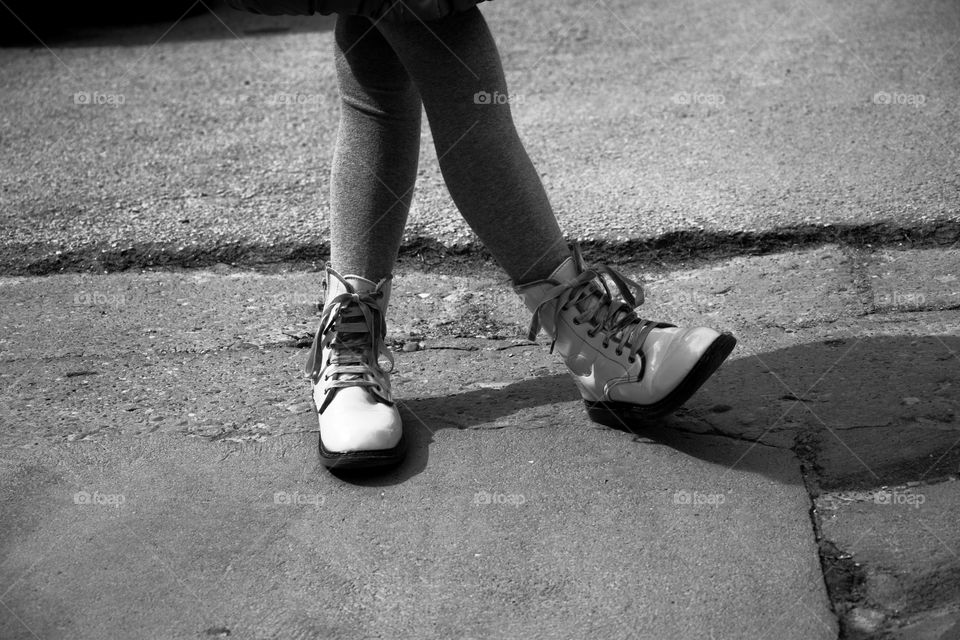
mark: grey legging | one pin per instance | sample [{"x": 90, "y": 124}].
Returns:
[{"x": 384, "y": 70}]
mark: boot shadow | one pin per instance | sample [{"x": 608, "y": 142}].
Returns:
[{"x": 860, "y": 412}]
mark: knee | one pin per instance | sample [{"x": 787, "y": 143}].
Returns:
[
  {"x": 370, "y": 77},
  {"x": 382, "y": 101},
  {"x": 377, "y": 96}
]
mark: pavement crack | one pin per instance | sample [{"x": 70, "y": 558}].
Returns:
[
  {"x": 712, "y": 430},
  {"x": 860, "y": 427},
  {"x": 740, "y": 438},
  {"x": 927, "y": 308}
]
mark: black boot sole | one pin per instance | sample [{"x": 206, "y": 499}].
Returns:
[
  {"x": 363, "y": 460},
  {"x": 621, "y": 414}
]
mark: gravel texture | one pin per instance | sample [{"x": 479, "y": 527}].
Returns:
[{"x": 691, "y": 126}]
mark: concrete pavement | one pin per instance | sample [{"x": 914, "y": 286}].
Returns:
[
  {"x": 172, "y": 404},
  {"x": 158, "y": 469},
  {"x": 543, "y": 529}
]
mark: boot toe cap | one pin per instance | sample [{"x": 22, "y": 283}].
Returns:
[
  {"x": 671, "y": 364},
  {"x": 354, "y": 421}
]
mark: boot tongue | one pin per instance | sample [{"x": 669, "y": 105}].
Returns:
[
  {"x": 614, "y": 311},
  {"x": 353, "y": 339},
  {"x": 352, "y": 327},
  {"x": 353, "y": 334}
]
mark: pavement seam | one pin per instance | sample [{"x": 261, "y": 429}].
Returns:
[{"x": 674, "y": 246}]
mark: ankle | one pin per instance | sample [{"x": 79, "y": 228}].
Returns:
[{"x": 545, "y": 267}]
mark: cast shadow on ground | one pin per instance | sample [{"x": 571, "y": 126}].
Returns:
[
  {"x": 116, "y": 23},
  {"x": 859, "y": 412}
]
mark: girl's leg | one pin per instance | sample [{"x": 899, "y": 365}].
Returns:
[
  {"x": 456, "y": 67},
  {"x": 375, "y": 159},
  {"x": 626, "y": 368},
  {"x": 374, "y": 168}
]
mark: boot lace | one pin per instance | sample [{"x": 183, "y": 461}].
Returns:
[
  {"x": 615, "y": 319},
  {"x": 352, "y": 327}
]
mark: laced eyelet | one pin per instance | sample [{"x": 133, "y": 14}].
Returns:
[
  {"x": 577, "y": 322},
  {"x": 606, "y": 345},
  {"x": 632, "y": 359}
]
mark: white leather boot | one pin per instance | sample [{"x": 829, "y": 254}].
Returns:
[
  {"x": 627, "y": 368},
  {"x": 360, "y": 426}
]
